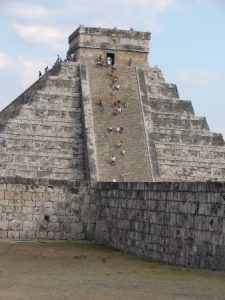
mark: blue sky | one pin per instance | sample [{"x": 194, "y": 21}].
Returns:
[{"x": 188, "y": 43}]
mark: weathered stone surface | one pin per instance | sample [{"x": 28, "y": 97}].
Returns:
[
  {"x": 165, "y": 221},
  {"x": 41, "y": 218},
  {"x": 41, "y": 131}
]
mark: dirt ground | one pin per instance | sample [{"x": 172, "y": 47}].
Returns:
[{"x": 57, "y": 270}]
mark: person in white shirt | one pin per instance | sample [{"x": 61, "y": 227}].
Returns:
[{"x": 109, "y": 60}]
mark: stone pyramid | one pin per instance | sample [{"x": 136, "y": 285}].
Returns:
[{"x": 58, "y": 128}]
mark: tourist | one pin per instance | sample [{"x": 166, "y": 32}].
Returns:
[
  {"x": 115, "y": 113},
  {"x": 46, "y": 69},
  {"x": 119, "y": 130},
  {"x": 119, "y": 109},
  {"x": 117, "y": 86},
  {"x": 100, "y": 61},
  {"x": 123, "y": 152},
  {"x": 113, "y": 93},
  {"x": 114, "y": 79},
  {"x": 113, "y": 160},
  {"x": 129, "y": 61},
  {"x": 122, "y": 177},
  {"x": 101, "y": 104},
  {"x": 109, "y": 130},
  {"x": 114, "y": 105},
  {"x": 72, "y": 57},
  {"x": 59, "y": 59},
  {"x": 125, "y": 104},
  {"x": 40, "y": 74},
  {"x": 119, "y": 144},
  {"x": 109, "y": 61},
  {"x": 114, "y": 67},
  {"x": 111, "y": 72}
]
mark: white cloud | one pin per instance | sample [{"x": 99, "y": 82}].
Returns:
[
  {"x": 24, "y": 10},
  {"x": 5, "y": 61},
  {"x": 156, "y": 6},
  {"x": 50, "y": 37},
  {"x": 197, "y": 77}
]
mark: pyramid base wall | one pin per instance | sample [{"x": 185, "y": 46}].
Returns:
[{"x": 179, "y": 223}]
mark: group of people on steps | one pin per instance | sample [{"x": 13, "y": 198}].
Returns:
[{"x": 118, "y": 105}]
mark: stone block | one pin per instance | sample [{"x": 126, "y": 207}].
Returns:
[
  {"x": 3, "y": 234},
  {"x": 50, "y": 235},
  {"x": 54, "y": 227},
  {"x": 2, "y": 195},
  {"x": 37, "y": 209},
  {"x": 58, "y": 235},
  {"x": 42, "y": 235},
  {"x": 31, "y": 235},
  {"x": 15, "y": 225},
  {"x": 29, "y": 203},
  {"x": 43, "y": 226},
  {"x": 29, "y": 217},
  {"x": 8, "y": 209},
  {"x": 25, "y": 196},
  {"x": 9, "y": 216},
  {"x": 28, "y": 225},
  {"x": 223, "y": 229},
  {"x": 65, "y": 226},
  {"x": 76, "y": 227},
  {"x": 35, "y": 217},
  {"x": 4, "y": 225},
  {"x": 45, "y": 196},
  {"x": 87, "y": 198},
  {"x": 27, "y": 210},
  {"x": 36, "y": 197},
  {"x": 75, "y": 205},
  {"x": 16, "y": 235},
  {"x": 81, "y": 236},
  {"x": 10, "y": 234},
  {"x": 10, "y": 195}
]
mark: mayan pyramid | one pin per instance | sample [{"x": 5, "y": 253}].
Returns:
[{"x": 58, "y": 128}]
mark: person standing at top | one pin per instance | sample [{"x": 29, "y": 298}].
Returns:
[{"x": 109, "y": 60}]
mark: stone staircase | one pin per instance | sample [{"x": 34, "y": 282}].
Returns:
[
  {"x": 134, "y": 165},
  {"x": 186, "y": 148},
  {"x": 41, "y": 131}
]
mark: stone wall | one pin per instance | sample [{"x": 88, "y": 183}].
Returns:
[
  {"x": 45, "y": 209},
  {"x": 177, "y": 223}
]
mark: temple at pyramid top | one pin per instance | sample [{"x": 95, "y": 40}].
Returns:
[{"x": 86, "y": 43}]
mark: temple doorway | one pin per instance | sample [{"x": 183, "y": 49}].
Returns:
[{"x": 112, "y": 56}]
